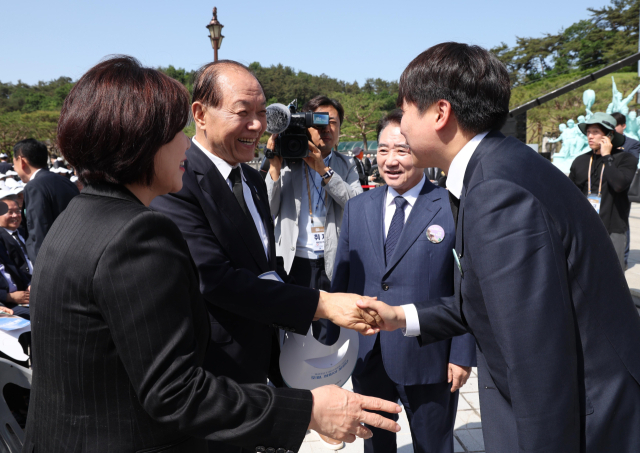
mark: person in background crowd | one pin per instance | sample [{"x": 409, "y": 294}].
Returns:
[
  {"x": 46, "y": 195},
  {"x": 14, "y": 283},
  {"x": 604, "y": 175},
  {"x": 307, "y": 198},
  {"x": 366, "y": 161},
  {"x": 11, "y": 237},
  {"x": 362, "y": 173},
  {"x": 4, "y": 163},
  {"x": 396, "y": 245},
  {"x": 629, "y": 146},
  {"x": 436, "y": 176}
]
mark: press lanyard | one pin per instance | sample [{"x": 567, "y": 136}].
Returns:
[
  {"x": 601, "y": 173},
  {"x": 306, "y": 174}
]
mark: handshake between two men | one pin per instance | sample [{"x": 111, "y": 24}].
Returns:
[{"x": 338, "y": 413}]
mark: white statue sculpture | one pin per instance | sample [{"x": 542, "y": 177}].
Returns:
[
  {"x": 561, "y": 138},
  {"x": 632, "y": 125},
  {"x": 617, "y": 103}
]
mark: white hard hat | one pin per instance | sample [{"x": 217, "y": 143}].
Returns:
[{"x": 305, "y": 363}]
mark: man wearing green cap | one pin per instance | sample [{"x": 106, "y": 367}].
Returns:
[{"x": 604, "y": 176}]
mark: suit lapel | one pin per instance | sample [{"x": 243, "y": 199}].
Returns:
[
  {"x": 375, "y": 222},
  {"x": 211, "y": 182},
  {"x": 422, "y": 213},
  {"x": 267, "y": 221}
]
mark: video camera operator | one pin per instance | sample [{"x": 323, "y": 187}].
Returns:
[{"x": 307, "y": 198}]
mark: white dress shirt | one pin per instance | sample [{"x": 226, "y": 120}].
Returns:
[
  {"x": 21, "y": 239},
  {"x": 225, "y": 169},
  {"x": 33, "y": 175},
  {"x": 410, "y": 195},
  {"x": 455, "y": 180}
]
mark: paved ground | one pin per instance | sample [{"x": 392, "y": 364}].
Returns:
[{"x": 468, "y": 427}]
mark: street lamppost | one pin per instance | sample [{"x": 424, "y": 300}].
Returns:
[{"x": 215, "y": 33}]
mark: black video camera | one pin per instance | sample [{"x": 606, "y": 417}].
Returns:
[{"x": 291, "y": 127}]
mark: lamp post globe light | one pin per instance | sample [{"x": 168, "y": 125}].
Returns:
[{"x": 215, "y": 33}]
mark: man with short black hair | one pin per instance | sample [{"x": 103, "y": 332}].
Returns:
[
  {"x": 45, "y": 195},
  {"x": 11, "y": 237},
  {"x": 537, "y": 279}
]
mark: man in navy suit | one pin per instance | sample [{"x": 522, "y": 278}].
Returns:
[
  {"x": 380, "y": 254},
  {"x": 537, "y": 279}
]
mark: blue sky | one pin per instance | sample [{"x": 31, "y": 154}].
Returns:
[{"x": 349, "y": 40}]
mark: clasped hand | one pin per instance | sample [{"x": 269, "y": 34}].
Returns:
[{"x": 363, "y": 314}]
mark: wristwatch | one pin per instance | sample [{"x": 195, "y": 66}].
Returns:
[{"x": 328, "y": 174}]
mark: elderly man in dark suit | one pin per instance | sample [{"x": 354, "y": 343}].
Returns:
[
  {"x": 11, "y": 237},
  {"x": 537, "y": 280},
  {"x": 46, "y": 194},
  {"x": 223, "y": 213},
  {"x": 396, "y": 245}
]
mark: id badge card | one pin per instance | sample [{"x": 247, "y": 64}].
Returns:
[
  {"x": 595, "y": 202},
  {"x": 317, "y": 234}
]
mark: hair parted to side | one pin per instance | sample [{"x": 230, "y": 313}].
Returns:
[
  {"x": 470, "y": 78},
  {"x": 34, "y": 151},
  {"x": 116, "y": 118},
  {"x": 323, "y": 101},
  {"x": 206, "y": 88},
  {"x": 393, "y": 117}
]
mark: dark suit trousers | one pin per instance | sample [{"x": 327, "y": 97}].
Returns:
[
  {"x": 311, "y": 274},
  {"x": 431, "y": 409}
]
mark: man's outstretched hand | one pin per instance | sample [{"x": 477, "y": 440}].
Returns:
[
  {"x": 340, "y": 414},
  {"x": 386, "y": 317},
  {"x": 342, "y": 310}
]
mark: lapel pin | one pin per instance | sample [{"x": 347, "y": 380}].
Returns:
[{"x": 435, "y": 233}]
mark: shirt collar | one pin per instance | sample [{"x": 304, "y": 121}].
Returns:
[
  {"x": 458, "y": 167},
  {"x": 33, "y": 175},
  {"x": 223, "y": 166},
  {"x": 11, "y": 231},
  {"x": 410, "y": 195}
]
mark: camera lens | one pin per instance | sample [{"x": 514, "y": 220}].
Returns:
[{"x": 294, "y": 147}]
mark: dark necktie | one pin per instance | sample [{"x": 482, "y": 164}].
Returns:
[
  {"x": 17, "y": 237},
  {"x": 395, "y": 229},
  {"x": 455, "y": 205},
  {"x": 236, "y": 185}
]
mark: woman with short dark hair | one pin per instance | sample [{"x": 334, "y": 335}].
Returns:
[{"x": 119, "y": 327}]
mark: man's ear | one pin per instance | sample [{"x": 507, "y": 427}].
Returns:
[
  {"x": 198, "y": 110},
  {"x": 442, "y": 114}
]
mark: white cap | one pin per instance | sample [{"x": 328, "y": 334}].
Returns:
[
  {"x": 17, "y": 189},
  {"x": 305, "y": 363},
  {"x": 5, "y": 193},
  {"x": 74, "y": 178},
  {"x": 11, "y": 173},
  {"x": 3, "y": 156},
  {"x": 10, "y": 182},
  {"x": 59, "y": 159}
]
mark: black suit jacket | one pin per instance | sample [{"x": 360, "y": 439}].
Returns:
[
  {"x": 5, "y": 167},
  {"x": 120, "y": 334},
  {"x": 229, "y": 255},
  {"x": 541, "y": 289},
  {"x": 19, "y": 278},
  {"x": 45, "y": 197},
  {"x": 14, "y": 250}
]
